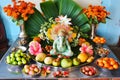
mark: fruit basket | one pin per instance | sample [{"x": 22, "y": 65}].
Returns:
[
  {"x": 31, "y": 70},
  {"x": 16, "y": 60},
  {"x": 58, "y": 65},
  {"x": 107, "y": 63}
]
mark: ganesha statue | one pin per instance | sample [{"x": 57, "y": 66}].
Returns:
[{"x": 61, "y": 45}]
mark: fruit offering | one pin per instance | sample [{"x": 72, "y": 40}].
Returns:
[
  {"x": 61, "y": 74},
  {"x": 17, "y": 58},
  {"x": 108, "y": 63},
  {"x": 31, "y": 70},
  {"x": 89, "y": 70},
  {"x": 103, "y": 52},
  {"x": 99, "y": 40}
]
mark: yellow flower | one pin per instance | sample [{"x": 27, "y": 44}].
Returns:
[
  {"x": 49, "y": 34},
  {"x": 73, "y": 36}
]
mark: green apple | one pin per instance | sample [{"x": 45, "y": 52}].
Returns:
[
  {"x": 76, "y": 61},
  {"x": 12, "y": 54},
  {"x": 40, "y": 57},
  {"x": 19, "y": 51},
  {"x": 56, "y": 63},
  {"x": 48, "y": 60},
  {"x": 66, "y": 63}
]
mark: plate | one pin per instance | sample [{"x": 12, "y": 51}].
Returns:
[{"x": 14, "y": 68}]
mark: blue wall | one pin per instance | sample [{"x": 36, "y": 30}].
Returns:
[
  {"x": 11, "y": 29},
  {"x": 110, "y": 30}
]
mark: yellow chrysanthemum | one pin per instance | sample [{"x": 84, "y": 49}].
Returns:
[{"x": 49, "y": 34}]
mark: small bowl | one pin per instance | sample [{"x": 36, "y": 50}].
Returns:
[
  {"x": 105, "y": 68},
  {"x": 87, "y": 75},
  {"x": 23, "y": 48},
  {"x": 103, "y": 52},
  {"x": 14, "y": 68},
  {"x": 35, "y": 75}
]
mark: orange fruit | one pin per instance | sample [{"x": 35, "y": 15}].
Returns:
[
  {"x": 106, "y": 65},
  {"x": 110, "y": 68},
  {"x": 102, "y": 42},
  {"x": 105, "y": 62},
  {"x": 102, "y": 38},
  {"x": 111, "y": 59},
  {"x": 100, "y": 64},
  {"x": 112, "y": 62},
  {"x": 106, "y": 59},
  {"x": 99, "y": 60},
  {"x": 116, "y": 66}
]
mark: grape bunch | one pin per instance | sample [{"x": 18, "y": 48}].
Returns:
[{"x": 17, "y": 58}]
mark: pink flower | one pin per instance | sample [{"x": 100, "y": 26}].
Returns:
[
  {"x": 86, "y": 49},
  {"x": 34, "y": 48}
]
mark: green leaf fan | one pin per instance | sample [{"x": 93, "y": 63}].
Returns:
[{"x": 54, "y": 9}]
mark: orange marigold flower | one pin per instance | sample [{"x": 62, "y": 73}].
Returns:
[
  {"x": 96, "y": 11},
  {"x": 19, "y": 9}
]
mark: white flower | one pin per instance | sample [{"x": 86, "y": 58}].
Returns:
[{"x": 64, "y": 20}]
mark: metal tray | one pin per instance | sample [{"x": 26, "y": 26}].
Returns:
[{"x": 60, "y": 68}]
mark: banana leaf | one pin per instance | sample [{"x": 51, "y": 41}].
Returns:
[
  {"x": 53, "y": 9},
  {"x": 73, "y": 11},
  {"x": 49, "y": 9},
  {"x": 69, "y": 8},
  {"x": 32, "y": 25},
  {"x": 85, "y": 28},
  {"x": 80, "y": 20}
]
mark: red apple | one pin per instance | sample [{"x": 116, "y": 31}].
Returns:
[
  {"x": 33, "y": 65},
  {"x": 36, "y": 69},
  {"x": 90, "y": 73},
  {"x": 31, "y": 68},
  {"x": 86, "y": 68},
  {"x": 26, "y": 66},
  {"x": 27, "y": 70},
  {"x": 31, "y": 72}
]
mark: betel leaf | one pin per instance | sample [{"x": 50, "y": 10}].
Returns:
[
  {"x": 49, "y": 9},
  {"x": 32, "y": 25}
]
